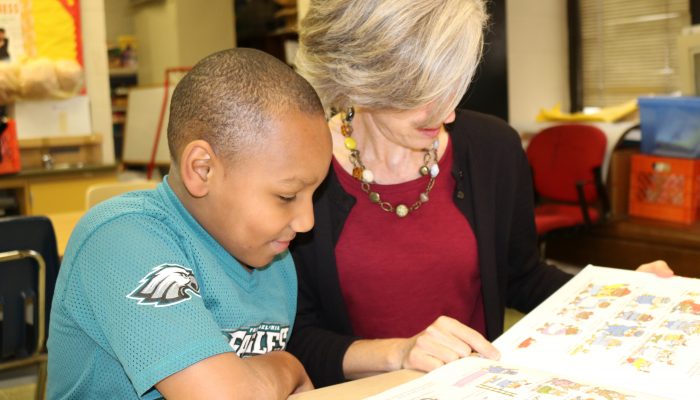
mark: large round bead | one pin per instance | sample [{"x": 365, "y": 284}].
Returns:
[
  {"x": 424, "y": 170},
  {"x": 374, "y": 197},
  {"x": 434, "y": 170},
  {"x": 350, "y": 143},
  {"x": 367, "y": 176},
  {"x": 401, "y": 210}
]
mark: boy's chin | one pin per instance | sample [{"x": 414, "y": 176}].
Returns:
[{"x": 258, "y": 263}]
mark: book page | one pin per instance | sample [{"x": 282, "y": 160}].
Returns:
[
  {"x": 475, "y": 378},
  {"x": 615, "y": 327}
]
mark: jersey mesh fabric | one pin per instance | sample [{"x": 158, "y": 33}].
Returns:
[{"x": 106, "y": 343}]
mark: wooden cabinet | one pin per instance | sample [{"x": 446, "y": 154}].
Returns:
[
  {"x": 40, "y": 191},
  {"x": 630, "y": 242}
]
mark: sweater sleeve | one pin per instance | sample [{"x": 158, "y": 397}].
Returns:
[
  {"x": 531, "y": 280},
  {"x": 318, "y": 340}
]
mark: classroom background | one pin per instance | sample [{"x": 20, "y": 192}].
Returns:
[{"x": 604, "y": 95}]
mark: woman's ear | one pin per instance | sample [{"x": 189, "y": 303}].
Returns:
[{"x": 196, "y": 167}]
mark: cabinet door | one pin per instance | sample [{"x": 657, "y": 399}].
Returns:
[{"x": 65, "y": 194}]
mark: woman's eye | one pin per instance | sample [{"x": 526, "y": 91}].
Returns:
[{"x": 287, "y": 198}]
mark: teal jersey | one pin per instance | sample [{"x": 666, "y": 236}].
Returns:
[{"x": 144, "y": 291}]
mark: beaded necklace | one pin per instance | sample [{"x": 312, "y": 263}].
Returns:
[{"x": 366, "y": 177}]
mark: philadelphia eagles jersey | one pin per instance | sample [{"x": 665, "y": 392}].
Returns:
[{"x": 144, "y": 292}]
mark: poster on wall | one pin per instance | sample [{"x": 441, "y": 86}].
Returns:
[
  {"x": 41, "y": 67},
  {"x": 11, "y": 35},
  {"x": 40, "y": 28}
]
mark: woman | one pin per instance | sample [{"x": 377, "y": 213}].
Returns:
[{"x": 424, "y": 226}]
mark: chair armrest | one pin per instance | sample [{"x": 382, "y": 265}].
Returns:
[
  {"x": 601, "y": 195},
  {"x": 582, "y": 202},
  {"x": 41, "y": 277}
]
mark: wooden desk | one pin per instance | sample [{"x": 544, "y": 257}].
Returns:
[
  {"x": 63, "y": 224},
  {"x": 361, "y": 388},
  {"x": 58, "y": 190}
]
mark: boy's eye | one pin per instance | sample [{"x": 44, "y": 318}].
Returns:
[{"x": 287, "y": 198}]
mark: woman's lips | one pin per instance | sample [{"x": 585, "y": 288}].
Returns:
[{"x": 431, "y": 132}]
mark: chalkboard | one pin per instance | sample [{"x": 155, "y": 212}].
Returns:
[{"x": 141, "y": 123}]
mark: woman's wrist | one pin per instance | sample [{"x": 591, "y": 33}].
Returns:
[
  {"x": 369, "y": 357},
  {"x": 399, "y": 350}
]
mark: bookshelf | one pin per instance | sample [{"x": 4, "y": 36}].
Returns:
[{"x": 120, "y": 80}]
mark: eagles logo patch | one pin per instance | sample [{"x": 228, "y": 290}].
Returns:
[{"x": 166, "y": 285}]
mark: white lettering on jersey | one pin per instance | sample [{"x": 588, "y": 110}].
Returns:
[{"x": 261, "y": 339}]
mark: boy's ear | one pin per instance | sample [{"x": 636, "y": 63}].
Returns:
[{"x": 196, "y": 167}]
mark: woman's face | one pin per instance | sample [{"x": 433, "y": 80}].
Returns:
[{"x": 415, "y": 129}]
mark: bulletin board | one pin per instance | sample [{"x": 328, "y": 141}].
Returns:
[
  {"x": 42, "y": 28},
  {"x": 141, "y": 123}
]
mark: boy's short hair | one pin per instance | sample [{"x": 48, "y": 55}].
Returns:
[{"x": 229, "y": 98}]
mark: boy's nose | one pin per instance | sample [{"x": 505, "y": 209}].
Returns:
[{"x": 304, "y": 220}]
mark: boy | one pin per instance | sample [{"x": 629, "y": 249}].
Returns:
[{"x": 188, "y": 291}]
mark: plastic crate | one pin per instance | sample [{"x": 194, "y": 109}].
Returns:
[
  {"x": 664, "y": 188},
  {"x": 670, "y": 126}
]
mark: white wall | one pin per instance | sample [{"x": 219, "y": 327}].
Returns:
[
  {"x": 175, "y": 33},
  {"x": 119, "y": 20},
  {"x": 215, "y": 30},
  {"x": 155, "y": 30},
  {"x": 92, "y": 14},
  {"x": 537, "y": 58}
]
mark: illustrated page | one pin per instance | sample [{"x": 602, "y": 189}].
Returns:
[
  {"x": 615, "y": 327},
  {"x": 475, "y": 378}
]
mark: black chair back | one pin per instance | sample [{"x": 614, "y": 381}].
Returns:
[{"x": 19, "y": 284}]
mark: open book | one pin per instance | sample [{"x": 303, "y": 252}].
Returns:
[{"x": 607, "y": 334}]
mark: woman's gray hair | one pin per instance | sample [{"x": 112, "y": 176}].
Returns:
[{"x": 391, "y": 54}]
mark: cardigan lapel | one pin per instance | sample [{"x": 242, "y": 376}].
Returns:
[
  {"x": 473, "y": 170},
  {"x": 339, "y": 203}
]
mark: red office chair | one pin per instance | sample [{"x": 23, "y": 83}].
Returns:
[{"x": 566, "y": 165}]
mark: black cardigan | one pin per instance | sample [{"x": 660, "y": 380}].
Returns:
[{"x": 488, "y": 156}]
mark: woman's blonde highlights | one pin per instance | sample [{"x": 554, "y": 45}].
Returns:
[{"x": 398, "y": 54}]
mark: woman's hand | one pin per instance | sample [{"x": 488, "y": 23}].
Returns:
[
  {"x": 443, "y": 341},
  {"x": 658, "y": 268}
]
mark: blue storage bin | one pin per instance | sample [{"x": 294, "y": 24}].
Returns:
[{"x": 670, "y": 126}]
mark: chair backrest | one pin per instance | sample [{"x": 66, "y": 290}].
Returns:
[
  {"x": 100, "y": 192},
  {"x": 562, "y": 155},
  {"x": 20, "y": 282}
]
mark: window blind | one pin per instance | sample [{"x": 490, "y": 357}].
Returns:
[{"x": 629, "y": 48}]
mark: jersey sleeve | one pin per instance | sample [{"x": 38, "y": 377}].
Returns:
[{"x": 134, "y": 290}]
